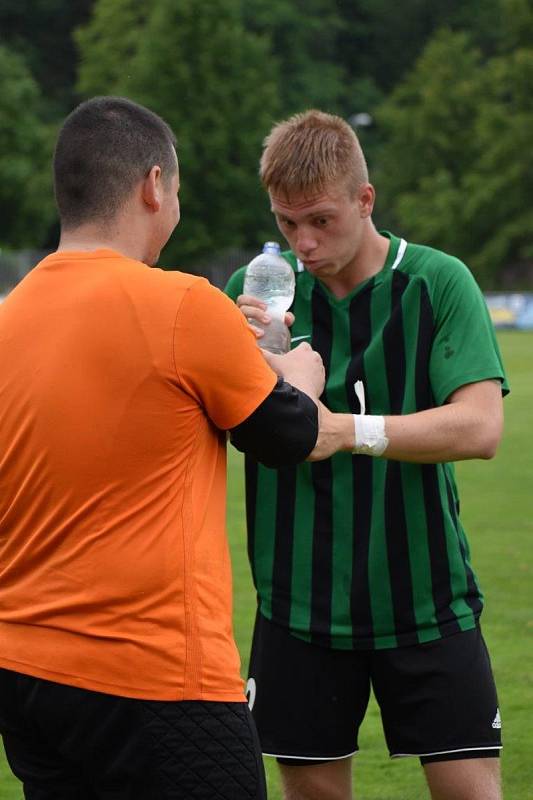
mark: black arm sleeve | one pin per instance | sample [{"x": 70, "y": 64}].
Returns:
[{"x": 282, "y": 431}]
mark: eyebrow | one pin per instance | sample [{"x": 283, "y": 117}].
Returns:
[{"x": 323, "y": 212}]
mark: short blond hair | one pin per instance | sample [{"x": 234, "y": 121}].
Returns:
[{"x": 308, "y": 152}]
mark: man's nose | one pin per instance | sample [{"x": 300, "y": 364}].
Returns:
[{"x": 305, "y": 242}]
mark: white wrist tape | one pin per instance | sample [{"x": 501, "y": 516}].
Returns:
[{"x": 370, "y": 437}]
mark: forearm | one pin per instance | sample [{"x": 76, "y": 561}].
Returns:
[
  {"x": 468, "y": 427},
  {"x": 282, "y": 431},
  {"x": 448, "y": 433}
]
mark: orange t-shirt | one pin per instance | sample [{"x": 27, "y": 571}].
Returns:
[{"x": 117, "y": 382}]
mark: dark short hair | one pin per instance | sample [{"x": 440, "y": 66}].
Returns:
[{"x": 105, "y": 147}]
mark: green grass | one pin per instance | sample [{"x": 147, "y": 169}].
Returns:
[{"x": 497, "y": 513}]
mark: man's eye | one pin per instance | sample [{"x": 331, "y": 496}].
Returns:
[{"x": 321, "y": 221}]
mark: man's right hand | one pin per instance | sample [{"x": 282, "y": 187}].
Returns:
[
  {"x": 336, "y": 432},
  {"x": 255, "y": 311},
  {"x": 302, "y": 367}
]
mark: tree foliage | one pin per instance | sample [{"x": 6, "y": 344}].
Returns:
[
  {"x": 447, "y": 84},
  {"x": 215, "y": 83},
  {"x": 456, "y": 167},
  {"x": 26, "y": 200},
  {"x": 108, "y": 44},
  {"x": 40, "y": 31},
  {"x": 304, "y": 36},
  {"x": 428, "y": 140}
]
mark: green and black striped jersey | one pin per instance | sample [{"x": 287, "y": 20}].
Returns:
[{"x": 361, "y": 552}]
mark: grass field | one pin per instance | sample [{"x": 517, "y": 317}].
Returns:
[{"x": 497, "y": 511}]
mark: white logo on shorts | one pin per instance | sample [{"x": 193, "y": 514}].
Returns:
[
  {"x": 251, "y": 691},
  {"x": 497, "y": 721}
]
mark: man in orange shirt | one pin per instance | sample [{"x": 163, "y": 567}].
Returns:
[{"x": 119, "y": 676}]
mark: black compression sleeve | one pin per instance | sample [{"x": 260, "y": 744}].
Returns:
[{"x": 281, "y": 431}]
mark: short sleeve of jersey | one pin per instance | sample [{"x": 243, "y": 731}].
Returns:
[
  {"x": 465, "y": 349},
  {"x": 216, "y": 357}
]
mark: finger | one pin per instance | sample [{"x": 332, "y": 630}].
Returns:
[
  {"x": 289, "y": 319},
  {"x": 258, "y": 332},
  {"x": 252, "y": 313},
  {"x": 248, "y": 300}
]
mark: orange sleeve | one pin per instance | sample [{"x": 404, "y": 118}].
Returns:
[{"x": 216, "y": 357}]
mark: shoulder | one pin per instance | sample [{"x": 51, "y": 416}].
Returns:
[
  {"x": 173, "y": 277},
  {"x": 430, "y": 263},
  {"x": 440, "y": 271},
  {"x": 168, "y": 293}
]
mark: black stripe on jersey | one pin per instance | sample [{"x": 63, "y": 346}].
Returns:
[
  {"x": 394, "y": 344},
  {"x": 360, "y": 335},
  {"x": 398, "y": 556},
  {"x": 282, "y": 570},
  {"x": 395, "y": 522},
  {"x": 472, "y": 597},
  {"x": 438, "y": 552},
  {"x": 322, "y": 576},
  {"x": 250, "y": 471},
  {"x": 423, "y": 394},
  {"x": 321, "y": 472}
]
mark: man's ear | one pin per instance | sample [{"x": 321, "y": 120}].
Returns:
[
  {"x": 152, "y": 190},
  {"x": 366, "y": 198}
]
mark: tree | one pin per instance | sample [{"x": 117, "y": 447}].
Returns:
[
  {"x": 304, "y": 35},
  {"x": 456, "y": 166},
  {"x": 26, "y": 197},
  {"x": 40, "y": 31},
  {"x": 215, "y": 83},
  {"x": 498, "y": 207},
  {"x": 108, "y": 44},
  {"x": 428, "y": 124},
  {"x": 382, "y": 39}
]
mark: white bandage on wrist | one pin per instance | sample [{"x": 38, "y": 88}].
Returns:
[{"x": 370, "y": 437}]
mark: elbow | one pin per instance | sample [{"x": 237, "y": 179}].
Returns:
[
  {"x": 489, "y": 441},
  {"x": 488, "y": 451}
]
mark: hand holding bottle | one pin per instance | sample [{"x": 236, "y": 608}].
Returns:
[
  {"x": 269, "y": 278},
  {"x": 256, "y": 312}
]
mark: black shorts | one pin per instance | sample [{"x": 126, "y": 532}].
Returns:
[
  {"x": 66, "y": 743},
  {"x": 438, "y": 700}
]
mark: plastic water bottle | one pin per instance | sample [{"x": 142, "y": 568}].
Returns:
[{"x": 270, "y": 278}]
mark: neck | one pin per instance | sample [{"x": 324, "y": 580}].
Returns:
[
  {"x": 368, "y": 261},
  {"x": 123, "y": 239}
]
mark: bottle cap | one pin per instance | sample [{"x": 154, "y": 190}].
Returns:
[{"x": 272, "y": 247}]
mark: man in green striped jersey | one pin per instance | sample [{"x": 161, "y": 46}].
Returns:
[{"x": 360, "y": 561}]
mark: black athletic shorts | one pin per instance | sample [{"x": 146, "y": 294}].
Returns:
[
  {"x": 65, "y": 743},
  {"x": 438, "y": 700}
]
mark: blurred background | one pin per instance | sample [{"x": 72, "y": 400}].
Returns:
[{"x": 441, "y": 96}]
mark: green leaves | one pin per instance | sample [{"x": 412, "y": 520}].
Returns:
[
  {"x": 216, "y": 84},
  {"x": 457, "y": 165},
  {"x": 26, "y": 199}
]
